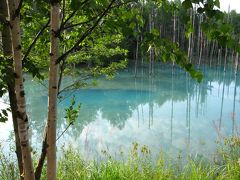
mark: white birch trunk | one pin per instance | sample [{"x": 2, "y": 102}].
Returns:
[
  {"x": 22, "y": 119},
  {"x": 52, "y": 93}
]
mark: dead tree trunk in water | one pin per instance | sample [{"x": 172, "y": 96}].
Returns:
[
  {"x": 174, "y": 30},
  {"x": 200, "y": 41},
  {"x": 190, "y": 39},
  {"x": 212, "y": 52},
  {"x": 236, "y": 63},
  {"x": 136, "y": 56},
  {"x": 151, "y": 49},
  {"x": 225, "y": 58}
]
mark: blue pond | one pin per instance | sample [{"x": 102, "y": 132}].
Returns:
[{"x": 169, "y": 112}]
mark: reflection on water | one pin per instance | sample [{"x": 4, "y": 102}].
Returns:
[{"x": 168, "y": 111}]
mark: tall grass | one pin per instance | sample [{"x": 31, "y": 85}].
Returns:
[
  {"x": 8, "y": 166},
  {"x": 139, "y": 165}
]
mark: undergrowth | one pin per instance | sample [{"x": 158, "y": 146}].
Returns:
[{"x": 139, "y": 165}]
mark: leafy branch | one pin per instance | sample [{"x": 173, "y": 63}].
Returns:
[
  {"x": 35, "y": 40},
  {"x": 86, "y": 34}
]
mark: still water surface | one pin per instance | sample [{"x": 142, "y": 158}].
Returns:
[{"x": 169, "y": 112}]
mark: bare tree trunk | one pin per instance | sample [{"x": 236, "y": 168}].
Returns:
[
  {"x": 211, "y": 55},
  {"x": 22, "y": 119},
  {"x": 200, "y": 43},
  {"x": 174, "y": 26},
  {"x": 199, "y": 36},
  {"x": 151, "y": 48},
  {"x": 178, "y": 31},
  {"x": 174, "y": 30},
  {"x": 236, "y": 63},
  {"x": 52, "y": 91},
  {"x": 225, "y": 58},
  {"x": 190, "y": 39},
  {"x": 136, "y": 56},
  {"x": 193, "y": 36}
]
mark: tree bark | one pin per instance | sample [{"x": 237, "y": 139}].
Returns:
[
  {"x": 212, "y": 52},
  {"x": 225, "y": 58},
  {"x": 52, "y": 92},
  {"x": 136, "y": 56},
  {"x": 13, "y": 106},
  {"x": 22, "y": 119},
  {"x": 236, "y": 63},
  {"x": 7, "y": 51},
  {"x": 190, "y": 39},
  {"x": 41, "y": 160}
]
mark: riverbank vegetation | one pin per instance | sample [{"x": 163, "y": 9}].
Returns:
[{"x": 139, "y": 165}]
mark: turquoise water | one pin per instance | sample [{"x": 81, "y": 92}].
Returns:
[{"x": 169, "y": 112}]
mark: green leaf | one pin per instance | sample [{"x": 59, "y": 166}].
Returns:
[
  {"x": 75, "y": 4},
  {"x": 187, "y": 4},
  {"x": 132, "y": 25},
  {"x": 155, "y": 32},
  {"x": 217, "y": 3}
]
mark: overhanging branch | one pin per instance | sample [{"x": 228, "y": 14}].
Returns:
[
  {"x": 35, "y": 40},
  {"x": 86, "y": 34}
]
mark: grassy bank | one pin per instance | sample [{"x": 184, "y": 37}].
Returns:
[{"x": 226, "y": 165}]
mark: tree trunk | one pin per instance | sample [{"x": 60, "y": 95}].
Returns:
[
  {"x": 52, "y": 92},
  {"x": 174, "y": 26},
  {"x": 41, "y": 160},
  {"x": 22, "y": 119},
  {"x": 136, "y": 56},
  {"x": 174, "y": 30},
  {"x": 7, "y": 51},
  {"x": 236, "y": 63},
  {"x": 192, "y": 35},
  {"x": 150, "y": 50},
  {"x": 190, "y": 39},
  {"x": 212, "y": 52},
  {"x": 200, "y": 42},
  {"x": 225, "y": 58}
]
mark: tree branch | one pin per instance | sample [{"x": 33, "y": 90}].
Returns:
[
  {"x": 71, "y": 86},
  {"x": 87, "y": 33},
  {"x": 35, "y": 40},
  {"x": 41, "y": 160},
  {"x": 71, "y": 123},
  {"x": 62, "y": 67},
  {"x": 85, "y": 22},
  {"x": 81, "y": 23},
  {"x": 69, "y": 17}
]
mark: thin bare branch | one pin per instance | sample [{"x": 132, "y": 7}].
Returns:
[
  {"x": 81, "y": 23},
  {"x": 71, "y": 123},
  {"x": 71, "y": 86}
]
